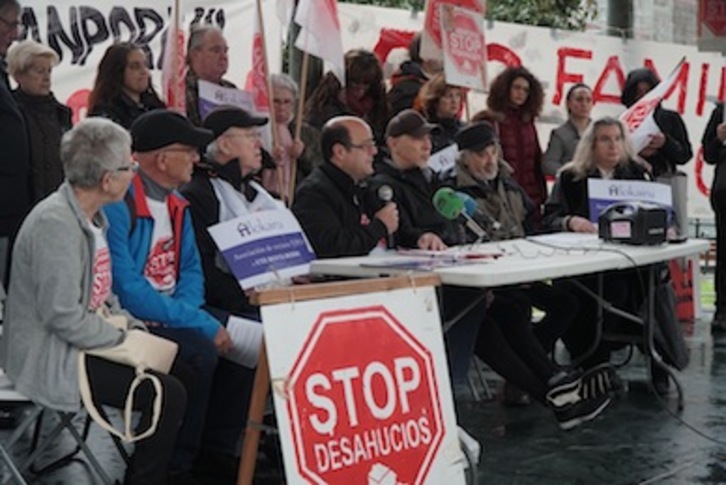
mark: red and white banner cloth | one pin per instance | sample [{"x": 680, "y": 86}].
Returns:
[
  {"x": 320, "y": 33},
  {"x": 174, "y": 66},
  {"x": 639, "y": 117}
]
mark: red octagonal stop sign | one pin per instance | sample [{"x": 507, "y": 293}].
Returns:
[
  {"x": 363, "y": 401},
  {"x": 465, "y": 43},
  {"x": 433, "y": 15}
]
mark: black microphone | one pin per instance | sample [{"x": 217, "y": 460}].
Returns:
[{"x": 385, "y": 195}]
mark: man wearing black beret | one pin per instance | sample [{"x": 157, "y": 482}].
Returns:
[{"x": 157, "y": 274}]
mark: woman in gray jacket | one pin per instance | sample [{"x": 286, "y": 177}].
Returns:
[{"x": 61, "y": 278}]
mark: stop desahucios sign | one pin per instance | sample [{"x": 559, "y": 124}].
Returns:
[{"x": 363, "y": 401}]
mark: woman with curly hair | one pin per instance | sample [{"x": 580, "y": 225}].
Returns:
[
  {"x": 441, "y": 103},
  {"x": 515, "y": 100},
  {"x": 364, "y": 94},
  {"x": 122, "y": 90}
]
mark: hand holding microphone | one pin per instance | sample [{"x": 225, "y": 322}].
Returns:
[{"x": 388, "y": 215}]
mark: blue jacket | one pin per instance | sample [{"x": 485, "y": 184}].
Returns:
[{"x": 130, "y": 242}]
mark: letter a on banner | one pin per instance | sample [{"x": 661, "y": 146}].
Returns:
[{"x": 173, "y": 66}]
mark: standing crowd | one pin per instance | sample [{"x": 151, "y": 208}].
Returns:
[{"x": 110, "y": 215}]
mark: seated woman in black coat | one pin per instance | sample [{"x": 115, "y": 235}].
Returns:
[
  {"x": 604, "y": 152},
  {"x": 122, "y": 90}
]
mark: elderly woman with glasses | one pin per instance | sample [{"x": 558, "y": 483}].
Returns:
[
  {"x": 303, "y": 151},
  {"x": 62, "y": 278},
  {"x": 30, "y": 64}
]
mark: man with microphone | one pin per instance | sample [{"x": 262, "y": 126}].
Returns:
[{"x": 329, "y": 203}]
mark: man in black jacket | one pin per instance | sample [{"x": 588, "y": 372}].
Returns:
[
  {"x": 15, "y": 193},
  {"x": 329, "y": 202}
]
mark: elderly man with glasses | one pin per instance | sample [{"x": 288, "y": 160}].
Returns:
[{"x": 157, "y": 274}]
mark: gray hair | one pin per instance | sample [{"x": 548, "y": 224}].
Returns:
[
  {"x": 92, "y": 148},
  {"x": 583, "y": 160},
  {"x": 283, "y": 81},
  {"x": 21, "y": 56},
  {"x": 196, "y": 35},
  {"x": 212, "y": 151}
]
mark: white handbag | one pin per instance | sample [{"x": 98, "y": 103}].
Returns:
[{"x": 142, "y": 351}]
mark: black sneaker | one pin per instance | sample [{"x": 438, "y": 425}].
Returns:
[
  {"x": 572, "y": 402},
  {"x": 581, "y": 411},
  {"x": 601, "y": 379}
]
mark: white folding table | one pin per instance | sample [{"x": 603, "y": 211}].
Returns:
[{"x": 495, "y": 264}]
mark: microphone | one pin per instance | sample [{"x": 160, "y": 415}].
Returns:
[
  {"x": 385, "y": 195},
  {"x": 472, "y": 209},
  {"x": 452, "y": 207}
]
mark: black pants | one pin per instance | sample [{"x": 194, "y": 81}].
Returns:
[
  {"x": 507, "y": 343},
  {"x": 559, "y": 305},
  {"x": 110, "y": 383},
  {"x": 460, "y": 339},
  {"x": 198, "y": 355},
  {"x": 622, "y": 289},
  {"x": 718, "y": 202}
]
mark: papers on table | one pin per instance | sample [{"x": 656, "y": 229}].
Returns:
[{"x": 246, "y": 338}]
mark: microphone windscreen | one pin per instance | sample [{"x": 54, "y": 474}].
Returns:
[
  {"x": 447, "y": 203},
  {"x": 469, "y": 203},
  {"x": 385, "y": 193}
]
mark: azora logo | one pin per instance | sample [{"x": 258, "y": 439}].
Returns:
[{"x": 258, "y": 226}]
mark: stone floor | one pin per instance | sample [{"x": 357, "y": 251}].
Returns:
[{"x": 640, "y": 439}]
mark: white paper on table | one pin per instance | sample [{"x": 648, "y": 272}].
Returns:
[{"x": 246, "y": 338}]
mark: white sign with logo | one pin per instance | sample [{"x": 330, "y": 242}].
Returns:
[
  {"x": 361, "y": 389},
  {"x": 462, "y": 37},
  {"x": 444, "y": 159},
  {"x": 263, "y": 247},
  {"x": 213, "y": 95},
  {"x": 604, "y": 192}
]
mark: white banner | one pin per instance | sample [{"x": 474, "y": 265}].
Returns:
[
  {"x": 361, "y": 390},
  {"x": 81, "y": 33}
]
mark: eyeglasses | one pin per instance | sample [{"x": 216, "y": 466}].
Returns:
[
  {"x": 366, "y": 145},
  {"x": 250, "y": 135},
  {"x": 12, "y": 24},
  {"x": 191, "y": 151},
  {"x": 132, "y": 167}
]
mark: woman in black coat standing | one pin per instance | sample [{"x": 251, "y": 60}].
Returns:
[
  {"x": 46, "y": 119},
  {"x": 714, "y": 153}
]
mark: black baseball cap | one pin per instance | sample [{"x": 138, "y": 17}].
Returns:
[
  {"x": 161, "y": 127},
  {"x": 409, "y": 122},
  {"x": 226, "y": 117},
  {"x": 476, "y": 137}
]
